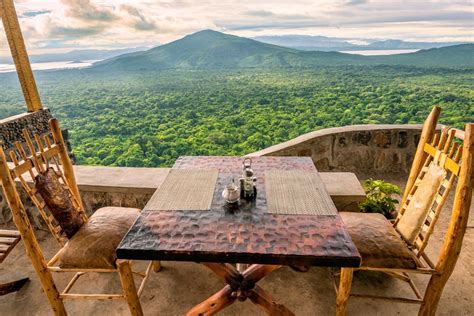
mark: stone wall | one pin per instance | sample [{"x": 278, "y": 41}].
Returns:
[
  {"x": 92, "y": 200},
  {"x": 99, "y": 187},
  {"x": 366, "y": 150},
  {"x": 11, "y": 128}
]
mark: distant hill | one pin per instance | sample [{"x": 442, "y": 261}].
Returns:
[
  {"x": 307, "y": 42},
  {"x": 77, "y": 55},
  {"x": 323, "y": 43},
  {"x": 450, "y": 56},
  {"x": 214, "y": 50},
  {"x": 211, "y": 49}
]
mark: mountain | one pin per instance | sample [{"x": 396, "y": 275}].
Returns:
[
  {"x": 77, "y": 55},
  {"x": 451, "y": 56},
  {"x": 215, "y": 50},
  {"x": 211, "y": 49},
  {"x": 306, "y": 42},
  {"x": 323, "y": 43}
]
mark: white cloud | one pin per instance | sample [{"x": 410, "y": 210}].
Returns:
[{"x": 67, "y": 24}]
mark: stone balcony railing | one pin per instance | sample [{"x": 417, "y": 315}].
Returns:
[{"x": 366, "y": 150}]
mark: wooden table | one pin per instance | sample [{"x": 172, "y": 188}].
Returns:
[{"x": 245, "y": 235}]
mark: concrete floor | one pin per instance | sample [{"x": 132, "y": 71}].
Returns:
[{"x": 179, "y": 286}]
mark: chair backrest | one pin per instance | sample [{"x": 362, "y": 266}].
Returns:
[
  {"x": 447, "y": 151},
  {"x": 444, "y": 151},
  {"x": 38, "y": 153}
]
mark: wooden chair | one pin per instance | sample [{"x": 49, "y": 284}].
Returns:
[
  {"x": 385, "y": 247},
  {"x": 49, "y": 151}
]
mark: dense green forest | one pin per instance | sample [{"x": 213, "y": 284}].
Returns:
[
  {"x": 149, "y": 118},
  {"x": 211, "y": 93}
]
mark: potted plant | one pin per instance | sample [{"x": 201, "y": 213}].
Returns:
[{"x": 379, "y": 198}]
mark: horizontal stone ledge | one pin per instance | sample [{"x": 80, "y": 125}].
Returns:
[
  {"x": 343, "y": 187},
  {"x": 119, "y": 179},
  {"x": 336, "y": 131}
]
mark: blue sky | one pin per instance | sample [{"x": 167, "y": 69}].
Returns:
[{"x": 63, "y": 25}]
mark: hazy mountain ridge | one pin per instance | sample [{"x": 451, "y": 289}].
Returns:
[
  {"x": 77, "y": 55},
  {"x": 214, "y": 50},
  {"x": 323, "y": 43}
]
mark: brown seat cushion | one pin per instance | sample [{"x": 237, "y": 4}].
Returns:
[
  {"x": 93, "y": 246},
  {"x": 59, "y": 202},
  {"x": 378, "y": 243}
]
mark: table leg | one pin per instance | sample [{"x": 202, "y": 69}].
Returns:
[
  {"x": 241, "y": 285},
  {"x": 213, "y": 304},
  {"x": 242, "y": 267},
  {"x": 264, "y": 300}
]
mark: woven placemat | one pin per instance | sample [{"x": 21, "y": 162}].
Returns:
[
  {"x": 185, "y": 190},
  {"x": 297, "y": 192}
]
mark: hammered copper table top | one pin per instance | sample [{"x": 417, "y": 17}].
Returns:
[{"x": 242, "y": 234}]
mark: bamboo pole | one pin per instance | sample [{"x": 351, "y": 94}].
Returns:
[
  {"x": 67, "y": 165},
  {"x": 457, "y": 228},
  {"x": 32, "y": 247},
  {"x": 344, "y": 291},
  {"x": 427, "y": 134},
  {"x": 20, "y": 55},
  {"x": 129, "y": 289}
]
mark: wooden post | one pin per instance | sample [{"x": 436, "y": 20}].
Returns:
[
  {"x": 344, "y": 291},
  {"x": 129, "y": 289},
  {"x": 156, "y": 266},
  {"x": 32, "y": 247},
  {"x": 20, "y": 56},
  {"x": 457, "y": 228},
  {"x": 68, "y": 170},
  {"x": 429, "y": 128}
]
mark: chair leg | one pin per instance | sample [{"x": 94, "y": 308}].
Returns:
[
  {"x": 129, "y": 289},
  {"x": 432, "y": 295},
  {"x": 156, "y": 266},
  {"x": 344, "y": 291}
]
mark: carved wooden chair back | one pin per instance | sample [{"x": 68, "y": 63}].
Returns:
[
  {"x": 38, "y": 153},
  {"x": 445, "y": 151},
  {"x": 457, "y": 160}
]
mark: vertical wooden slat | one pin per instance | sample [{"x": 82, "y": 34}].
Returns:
[
  {"x": 427, "y": 134},
  {"x": 20, "y": 56},
  {"x": 67, "y": 165}
]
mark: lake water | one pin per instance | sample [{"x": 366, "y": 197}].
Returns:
[
  {"x": 50, "y": 65},
  {"x": 380, "y": 52}
]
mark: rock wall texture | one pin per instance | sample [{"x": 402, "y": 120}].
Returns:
[
  {"x": 11, "y": 128},
  {"x": 92, "y": 200},
  {"x": 365, "y": 150}
]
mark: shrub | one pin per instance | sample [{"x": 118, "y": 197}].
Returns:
[{"x": 379, "y": 197}]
